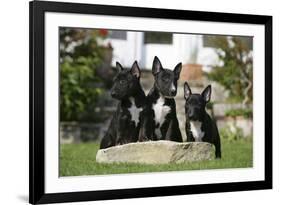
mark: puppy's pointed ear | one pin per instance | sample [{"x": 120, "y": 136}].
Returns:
[
  {"x": 135, "y": 70},
  {"x": 177, "y": 70},
  {"x": 156, "y": 66},
  {"x": 119, "y": 66},
  {"x": 187, "y": 91},
  {"x": 206, "y": 94}
]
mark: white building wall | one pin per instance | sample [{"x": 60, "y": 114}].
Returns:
[
  {"x": 123, "y": 50},
  {"x": 165, "y": 53},
  {"x": 185, "y": 49}
]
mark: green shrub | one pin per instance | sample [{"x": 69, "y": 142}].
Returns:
[
  {"x": 231, "y": 133},
  {"x": 247, "y": 113},
  {"x": 80, "y": 55},
  {"x": 236, "y": 73}
]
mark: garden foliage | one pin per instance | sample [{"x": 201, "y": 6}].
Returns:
[
  {"x": 80, "y": 56},
  {"x": 236, "y": 71}
]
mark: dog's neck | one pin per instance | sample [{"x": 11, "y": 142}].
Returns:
[
  {"x": 154, "y": 92},
  {"x": 197, "y": 127},
  {"x": 203, "y": 119},
  {"x": 197, "y": 131},
  {"x": 137, "y": 98}
]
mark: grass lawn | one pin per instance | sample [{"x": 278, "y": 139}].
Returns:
[{"x": 80, "y": 159}]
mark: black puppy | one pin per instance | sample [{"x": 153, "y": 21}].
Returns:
[
  {"x": 199, "y": 125},
  {"x": 125, "y": 124},
  {"x": 161, "y": 121}
]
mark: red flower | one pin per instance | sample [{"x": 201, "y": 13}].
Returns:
[{"x": 103, "y": 32}]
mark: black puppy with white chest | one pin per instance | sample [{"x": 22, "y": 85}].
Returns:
[
  {"x": 161, "y": 121},
  {"x": 125, "y": 124},
  {"x": 199, "y": 125}
]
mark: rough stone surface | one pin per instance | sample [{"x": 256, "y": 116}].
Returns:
[{"x": 156, "y": 152}]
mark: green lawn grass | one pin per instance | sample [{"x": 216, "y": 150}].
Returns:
[{"x": 80, "y": 159}]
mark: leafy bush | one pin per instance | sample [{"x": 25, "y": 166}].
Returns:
[
  {"x": 247, "y": 113},
  {"x": 80, "y": 55},
  {"x": 236, "y": 73},
  {"x": 231, "y": 133}
]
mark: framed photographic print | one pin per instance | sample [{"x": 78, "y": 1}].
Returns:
[{"x": 130, "y": 102}]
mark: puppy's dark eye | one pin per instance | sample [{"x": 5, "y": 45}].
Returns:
[{"x": 122, "y": 82}]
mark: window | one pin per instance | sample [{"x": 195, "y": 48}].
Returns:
[
  {"x": 158, "y": 38},
  {"x": 121, "y": 35}
]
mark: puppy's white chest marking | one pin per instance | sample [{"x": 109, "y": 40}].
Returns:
[
  {"x": 135, "y": 112},
  {"x": 195, "y": 127},
  {"x": 160, "y": 111}
]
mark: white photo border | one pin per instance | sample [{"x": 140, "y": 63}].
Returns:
[{"x": 56, "y": 184}]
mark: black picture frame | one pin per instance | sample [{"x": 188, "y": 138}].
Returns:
[{"x": 37, "y": 192}]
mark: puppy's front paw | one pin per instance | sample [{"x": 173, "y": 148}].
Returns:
[{"x": 143, "y": 139}]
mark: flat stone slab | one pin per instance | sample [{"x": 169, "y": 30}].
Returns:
[{"x": 156, "y": 152}]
